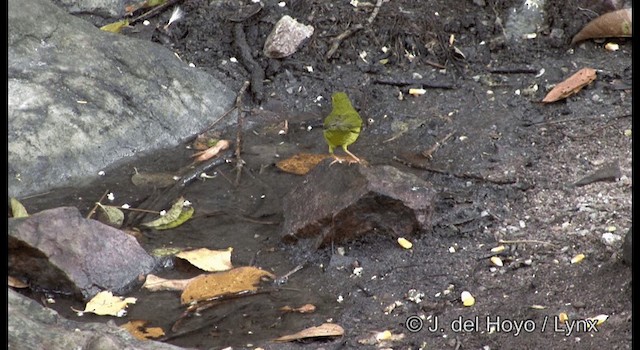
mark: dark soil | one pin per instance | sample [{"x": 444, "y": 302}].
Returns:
[{"x": 504, "y": 174}]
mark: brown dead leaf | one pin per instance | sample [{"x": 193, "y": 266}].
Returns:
[
  {"x": 301, "y": 163},
  {"x": 571, "y": 85},
  {"x": 323, "y": 330},
  {"x": 105, "y": 303},
  {"x": 16, "y": 283},
  {"x": 138, "y": 329},
  {"x": 154, "y": 283},
  {"x": 234, "y": 281},
  {"x": 616, "y": 24},
  {"x": 212, "y": 151},
  {"x": 304, "y": 309}
]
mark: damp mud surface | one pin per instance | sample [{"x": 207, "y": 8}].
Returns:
[{"x": 505, "y": 167}]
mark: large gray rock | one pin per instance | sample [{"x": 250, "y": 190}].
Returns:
[
  {"x": 80, "y": 99},
  {"x": 59, "y": 250},
  {"x": 32, "y": 326}
]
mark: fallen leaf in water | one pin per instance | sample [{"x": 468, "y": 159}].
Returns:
[
  {"x": 154, "y": 283},
  {"x": 323, "y": 330},
  {"x": 212, "y": 151},
  {"x": 115, "y": 27},
  {"x": 110, "y": 215},
  {"x": 304, "y": 309},
  {"x": 16, "y": 283},
  {"x": 138, "y": 329},
  {"x": 614, "y": 24},
  {"x": 17, "y": 209},
  {"x": 176, "y": 216},
  {"x": 241, "y": 279},
  {"x": 301, "y": 163},
  {"x": 571, "y": 85},
  {"x": 208, "y": 260},
  {"x": 106, "y": 304}
]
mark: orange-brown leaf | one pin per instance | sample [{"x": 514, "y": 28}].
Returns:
[
  {"x": 610, "y": 25},
  {"x": 301, "y": 163},
  {"x": 571, "y": 85}
]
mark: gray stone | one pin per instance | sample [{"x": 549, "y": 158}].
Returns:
[
  {"x": 59, "y": 250},
  {"x": 103, "y": 8},
  {"x": 32, "y": 326},
  {"x": 341, "y": 202},
  {"x": 285, "y": 38},
  {"x": 81, "y": 99},
  {"x": 627, "y": 248}
]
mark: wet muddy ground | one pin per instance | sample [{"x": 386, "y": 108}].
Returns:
[{"x": 505, "y": 173}]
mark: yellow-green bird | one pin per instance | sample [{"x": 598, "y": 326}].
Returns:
[{"x": 342, "y": 126}]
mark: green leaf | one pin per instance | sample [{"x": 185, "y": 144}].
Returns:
[
  {"x": 172, "y": 215},
  {"x": 115, "y": 27},
  {"x": 111, "y": 215},
  {"x": 17, "y": 209},
  {"x": 184, "y": 216}
]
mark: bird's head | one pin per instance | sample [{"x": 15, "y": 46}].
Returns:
[{"x": 339, "y": 96}]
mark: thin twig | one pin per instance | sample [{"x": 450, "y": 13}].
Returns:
[
  {"x": 241, "y": 113},
  {"x": 429, "y": 152},
  {"x": 219, "y": 119},
  {"x": 549, "y": 122},
  {"x": 154, "y": 11},
  {"x": 93, "y": 210},
  {"x": 525, "y": 241},
  {"x": 347, "y": 33},
  {"x": 464, "y": 176}
]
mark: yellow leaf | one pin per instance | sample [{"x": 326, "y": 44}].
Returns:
[
  {"x": 209, "y": 260},
  {"x": 115, "y": 27},
  {"x": 105, "y": 303},
  {"x": 17, "y": 209}
]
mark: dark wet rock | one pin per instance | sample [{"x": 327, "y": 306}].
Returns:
[
  {"x": 59, "y": 250},
  {"x": 341, "y": 202},
  {"x": 32, "y": 326},
  {"x": 626, "y": 248},
  {"x": 81, "y": 99}
]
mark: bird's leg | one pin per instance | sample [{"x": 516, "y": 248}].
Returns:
[
  {"x": 357, "y": 160},
  {"x": 336, "y": 159}
]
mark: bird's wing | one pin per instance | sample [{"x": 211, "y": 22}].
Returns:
[{"x": 342, "y": 123}]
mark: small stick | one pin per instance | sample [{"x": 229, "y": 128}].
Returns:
[
  {"x": 96, "y": 206},
  {"x": 524, "y": 241},
  {"x": 338, "y": 40},
  {"x": 219, "y": 119},
  {"x": 154, "y": 11},
  {"x": 429, "y": 152},
  {"x": 239, "y": 161}
]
